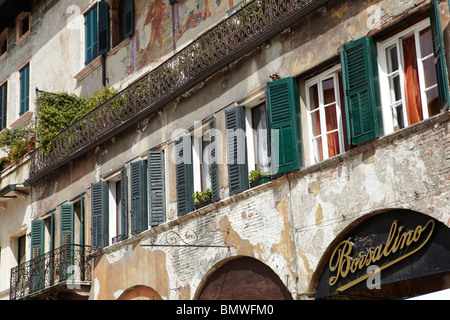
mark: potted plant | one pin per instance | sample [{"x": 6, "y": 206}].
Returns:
[
  {"x": 202, "y": 198},
  {"x": 257, "y": 177}
]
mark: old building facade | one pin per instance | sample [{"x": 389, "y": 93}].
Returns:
[{"x": 342, "y": 105}]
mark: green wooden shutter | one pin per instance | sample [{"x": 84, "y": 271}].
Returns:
[
  {"x": 139, "y": 212},
  {"x": 184, "y": 175},
  {"x": 236, "y": 150},
  {"x": 66, "y": 225},
  {"x": 439, "y": 57},
  {"x": 3, "y": 106},
  {"x": 103, "y": 27},
  {"x": 123, "y": 203},
  {"x": 128, "y": 18},
  {"x": 284, "y": 123},
  {"x": 361, "y": 91},
  {"x": 213, "y": 161},
  {"x": 99, "y": 215},
  {"x": 24, "y": 89},
  {"x": 156, "y": 186},
  {"x": 91, "y": 35},
  {"x": 37, "y": 238}
]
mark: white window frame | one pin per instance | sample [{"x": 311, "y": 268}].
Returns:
[
  {"x": 383, "y": 74},
  {"x": 332, "y": 72}
]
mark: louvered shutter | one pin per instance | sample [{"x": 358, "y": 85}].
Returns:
[
  {"x": 103, "y": 27},
  {"x": 284, "y": 123},
  {"x": 24, "y": 89},
  {"x": 184, "y": 175},
  {"x": 3, "y": 106},
  {"x": 91, "y": 35},
  {"x": 156, "y": 187},
  {"x": 129, "y": 18},
  {"x": 236, "y": 150},
  {"x": 123, "y": 203},
  {"x": 138, "y": 190},
  {"x": 439, "y": 56},
  {"x": 213, "y": 161},
  {"x": 66, "y": 225},
  {"x": 362, "y": 94},
  {"x": 37, "y": 238},
  {"x": 99, "y": 215},
  {"x": 37, "y": 255}
]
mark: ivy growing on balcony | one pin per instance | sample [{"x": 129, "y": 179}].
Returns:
[{"x": 57, "y": 111}]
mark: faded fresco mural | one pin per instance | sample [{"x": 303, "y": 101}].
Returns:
[{"x": 168, "y": 27}]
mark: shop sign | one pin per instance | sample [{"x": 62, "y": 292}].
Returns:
[{"x": 394, "y": 246}]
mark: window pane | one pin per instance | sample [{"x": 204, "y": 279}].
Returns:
[
  {"x": 328, "y": 91},
  {"x": 392, "y": 59},
  {"x": 397, "y": 117},
  {"x": 426, "y": 42},
  {"x": 260, "y": 126},
  {"x": 333, "y": 144},
  {"x": 313, "y": 97},
  {"x": 317, "y": 149},
  {"x": 315, "y": 122},
  {"x": 433, "y": 102},
  {"x": 394, "y": 88},
  {"x": 429, "y": 71},
  {"x": 331, "y": 117},
  {"x": 206, "y": 180}
]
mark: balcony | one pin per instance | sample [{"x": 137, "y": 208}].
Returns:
[
  {"x": 243, "y": 31},
  {"x": 63, "y": 273}
]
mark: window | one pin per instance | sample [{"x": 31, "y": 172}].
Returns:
[
  {"x": 126, "y": 19},
  {"x": 96, "y": 31},
  {"x": 260, "y": 132},
  {"x": 324, "y": 98},
  {"x": 21, "y": 250},
  {"x": 3, "y": 43},
  {"x": 184, "y": 175},
  {"x": 408, "y": 73},
  {"x": 22, "y": 26},
  {"x": 3, "y": 106},
  {"x": 24, "y": 75}
]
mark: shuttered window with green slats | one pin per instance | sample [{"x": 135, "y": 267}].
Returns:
[
  {"x": 126, "y": 17},
  {"x": 213, "y": 161},
  {"x": 284, "y": 122},
  {"x": 3, "y": 106},
  {"x": 361, "y": 91},
  {"x": 123, "y": 204},
  {"x": 24, "y": 74},
  {"x": 37, "y": 238},
  {"x": 66, "y": 224},
  {"x": 96, "y": 31},
  {"x": 138, "y": 195},
  {"x": 156, "y": 187},
  {"x": 99, "y": 215},
  {"x": 184, "y": 175},
  {"x": 236, "y": 150}
]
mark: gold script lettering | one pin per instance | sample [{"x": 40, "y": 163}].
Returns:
[{"x": 342, "y": 263}]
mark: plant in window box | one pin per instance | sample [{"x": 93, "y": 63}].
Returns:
[
  {"x": 202, "y": 198},
  {"x": 257, "y": 177}
]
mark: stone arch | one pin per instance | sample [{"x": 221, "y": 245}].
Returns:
[
  {"x": 419, "y": 277},
  {"x": 140, "y": 292},
  {"x": 242, "y": 278}
]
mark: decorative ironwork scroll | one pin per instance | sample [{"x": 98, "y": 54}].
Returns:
[
  {"x": 247, "y": 28},
  {"x": 174, "y": 239}
]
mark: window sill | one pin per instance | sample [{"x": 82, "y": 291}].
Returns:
[
  {"x": 3, "y": 56},
  {"x": 97, "y": 62},
  {"x": 119, "y": 46},
  {"x": 23, "y": 120},
  {"x": 22, "y": 37}
]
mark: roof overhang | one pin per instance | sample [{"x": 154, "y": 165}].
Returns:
[{"x": 12, "y": 191}]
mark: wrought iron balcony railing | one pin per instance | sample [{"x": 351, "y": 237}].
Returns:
[
  {"x": 246, "y": 29},
  {"x": 66, "y": 265}
]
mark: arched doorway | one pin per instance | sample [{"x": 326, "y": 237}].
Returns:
[
  {"x": 140, "y": 293},
  {"x": 244, "y": 279},
  {"x": 397, "y": 254}
]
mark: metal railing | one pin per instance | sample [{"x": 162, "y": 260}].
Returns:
[
  {"x": 66, "y": 265},
  {"x": 246, "y": 29}
]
